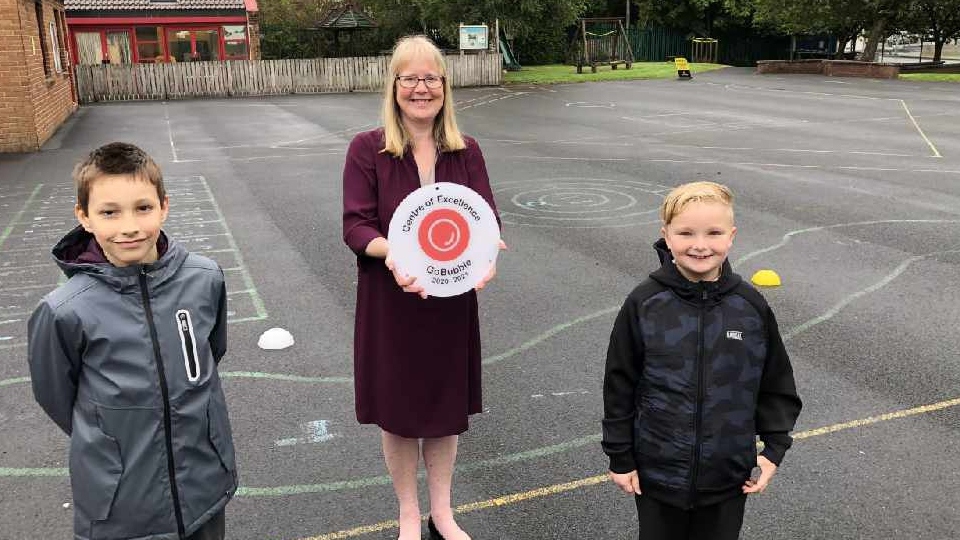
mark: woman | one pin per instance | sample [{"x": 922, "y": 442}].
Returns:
[{"x": 416, "y": 359}]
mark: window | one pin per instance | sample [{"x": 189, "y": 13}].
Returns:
[
  {"x": 38, "y": 7},
  {"x": 55, "y": 40},
  {"x": 118, "y": 47},
  {"x": 149, "y": 47},
  {"x": 194, "y": 45},
  {"x": 207, "y": 45},
  {"x": 89, "y": 48},
  {"x": 62, "y": 34},
  {"x": 235, "y": 42},
  {"x": 179, "y": 43}
]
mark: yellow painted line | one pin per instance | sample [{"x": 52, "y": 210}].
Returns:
[
  {"x": 533, "y": 494},
  {"x": 471, "y": 507},
  {"x": 350, "y": 533},
  {"x": 877, "y": 419},
  {"x": 936, "y": 153},
  {"x": 599, "y": 479}
]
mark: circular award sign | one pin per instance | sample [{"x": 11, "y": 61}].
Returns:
[{"x": 446, "y": 236}]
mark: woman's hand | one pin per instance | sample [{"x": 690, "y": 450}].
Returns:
[
  {"x": 767, "y": 470},
  {"x": 407, "y": 283},
  {"x": 490, "y": 273},
  {"x": 628, "y": 482}
]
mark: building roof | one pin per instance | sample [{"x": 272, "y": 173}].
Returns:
[{"x": 153, "y": 5}]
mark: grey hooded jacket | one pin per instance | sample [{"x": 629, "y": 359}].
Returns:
[{"x": 124, "y": 360}]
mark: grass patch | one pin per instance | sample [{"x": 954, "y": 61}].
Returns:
[
  {"x": 939, "y": 77},
  {"x": 556, "y": 73}
]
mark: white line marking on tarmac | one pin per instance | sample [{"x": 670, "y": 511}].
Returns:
[
  {"x": 789, "y": 165},
  {"x": 166, "y": 116},
  {"x": 833, "y": 311},
  {"x": 555, "y": 489},
  {"x": 788, "y": 236},
  {"x": 569, "y": 158},
  {"x": 314, "y": 432},
  {"x": 936, "y": 153}
]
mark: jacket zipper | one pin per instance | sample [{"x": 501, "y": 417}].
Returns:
[
  {"x": 698, "y": 420},
  {"x": 165, "y": 393},
  {"x": 186, "y": 338}
]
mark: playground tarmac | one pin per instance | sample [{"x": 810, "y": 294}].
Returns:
[{"x": 848, "y": 188}]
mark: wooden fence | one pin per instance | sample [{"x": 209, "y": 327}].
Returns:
[{"x": 263, "y": 77}]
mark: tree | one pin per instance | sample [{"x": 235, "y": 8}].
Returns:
[
  {"x": 285, "y": 25},
  {"x": 844, "y": 18},
  {"x": 538, "y": 27},
  {"x": 937, "y": 19}
]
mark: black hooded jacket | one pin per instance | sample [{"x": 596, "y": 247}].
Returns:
[{"x": 694, "y": 373}]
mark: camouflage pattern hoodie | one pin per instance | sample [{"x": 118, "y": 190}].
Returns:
[{"x": 695, "y": 372}]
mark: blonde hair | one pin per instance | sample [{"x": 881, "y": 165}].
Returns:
[
  {"x": 116, "y": 158},
  {"x": 445, "y": 131},
  {"x": 681, "y": 196}
]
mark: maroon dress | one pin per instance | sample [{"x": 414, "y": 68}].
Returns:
[{"x": 416, "y": 362}]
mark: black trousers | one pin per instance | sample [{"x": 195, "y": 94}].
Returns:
[
  {"x": 659, "y": 521},
  {"x": 214, "y": 529}
]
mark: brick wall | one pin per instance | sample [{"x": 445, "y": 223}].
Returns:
[
  {"x": 832, "y": 68},
  {"x": 33, "y": 102},
  {"x": 850, "y": 68}
]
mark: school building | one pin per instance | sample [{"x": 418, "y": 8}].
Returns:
[
  {"x": 168, "y": 31},
  {"x": 36, "y": 86}
]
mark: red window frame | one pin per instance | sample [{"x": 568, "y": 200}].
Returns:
[
  {"x": 161, "y": 41},
  {"x": 104, "y": 50},
  {"x": 166, "y": 24},
  {"x": 193, "y": 29},
  {"x": 224, "y": 41}
]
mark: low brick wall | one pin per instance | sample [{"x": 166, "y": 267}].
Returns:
[
  {"x": 831, "y": 68},
  {"x": 814, "y": 67},
  {"x": 852, "y": 68}
]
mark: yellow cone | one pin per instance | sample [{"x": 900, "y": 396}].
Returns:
[{"x": 766, "y": 278}]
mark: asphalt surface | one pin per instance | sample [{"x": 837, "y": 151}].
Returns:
[{"x": 839, "y": 189}]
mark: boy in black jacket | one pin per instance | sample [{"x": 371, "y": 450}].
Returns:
[{"x": 696, "y": 370}]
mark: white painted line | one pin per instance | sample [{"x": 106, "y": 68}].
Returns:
[
  {"x": 788, "y": 165},
  {"x": 569, "y": 158},
  {"x": 589, "y": 105},
  {"x": 314, "y": 432},
  {"x": 173, "y": 147},
  {"x": 245, "y": 291},
  {"x": 572, "y": 393},
  {"x": 27, "y": 288},
  {"x": 936, "y": 153},
  {"x": 788, "y": 236},
  {"x": 833, "y": 311},
  {"x": 261, "y": 158}
]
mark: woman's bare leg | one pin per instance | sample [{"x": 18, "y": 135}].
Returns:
[
  {"x": 402, "y": 456},
  {"x": 439, "y": 456}
]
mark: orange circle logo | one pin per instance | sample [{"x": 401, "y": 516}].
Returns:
[{"x": 444, "y": 235}]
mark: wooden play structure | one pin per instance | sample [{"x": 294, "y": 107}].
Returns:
[{"x": 602, "y": 41}]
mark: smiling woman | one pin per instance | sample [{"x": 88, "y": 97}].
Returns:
[{"x": 416, "y": 360}]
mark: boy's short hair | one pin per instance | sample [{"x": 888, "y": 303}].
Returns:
[
  {"x": 681, "y": 196},
  {"x": 114, "y": 159}
]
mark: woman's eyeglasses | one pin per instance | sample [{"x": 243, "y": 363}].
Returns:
[{"x": 411, "y": 81}]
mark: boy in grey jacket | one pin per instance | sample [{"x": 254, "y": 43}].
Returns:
[{"x": 123, "y": 358}]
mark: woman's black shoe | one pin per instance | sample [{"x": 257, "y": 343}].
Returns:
[{"x": 434, "y": 533}]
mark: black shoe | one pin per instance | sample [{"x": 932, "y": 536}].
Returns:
[{"x": 434, "y": 533}]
